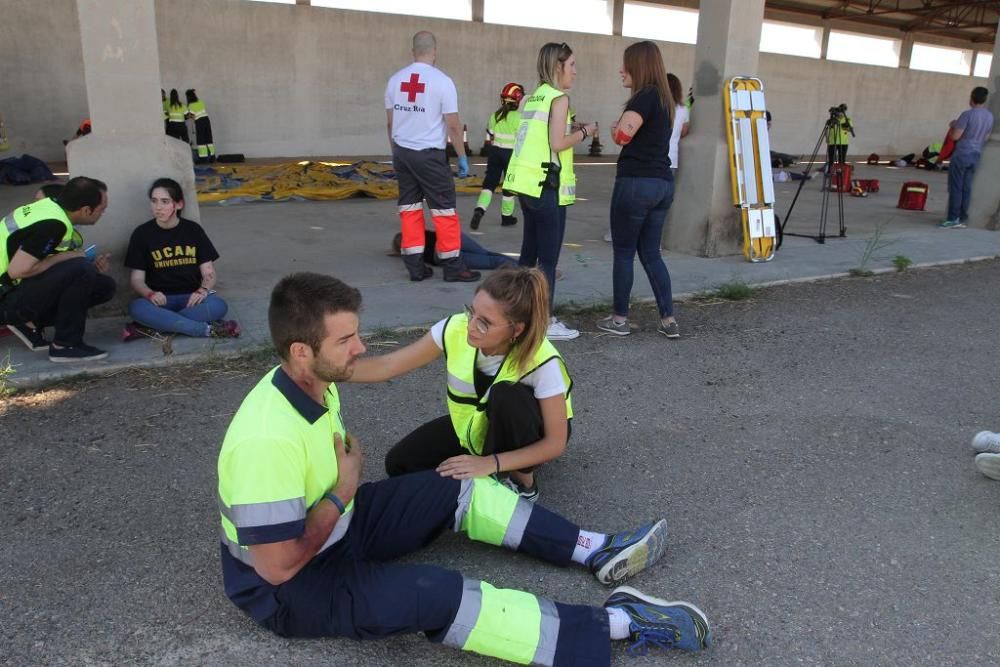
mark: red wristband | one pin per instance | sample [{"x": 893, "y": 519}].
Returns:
[{"x": 149, "y": 295}]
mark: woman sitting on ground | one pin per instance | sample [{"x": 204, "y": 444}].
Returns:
[
  {"x": 173, "y": 272},
  {"x": 508, "y": 388}
]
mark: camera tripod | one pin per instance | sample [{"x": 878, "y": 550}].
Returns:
[{"x": 832, "y": 122}]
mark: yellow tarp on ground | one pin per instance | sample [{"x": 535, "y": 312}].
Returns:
[{"x": 304, "y": 180}]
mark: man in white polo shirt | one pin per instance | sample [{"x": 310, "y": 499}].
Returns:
[{"x": 421, "y": 107}]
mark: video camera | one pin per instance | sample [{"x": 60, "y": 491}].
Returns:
[{"x": 838, "y": 110}]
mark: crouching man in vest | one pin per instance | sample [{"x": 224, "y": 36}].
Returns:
[
  {"x": 307, "y": 549},
  {"x": 508, "y": 388},
  {"x": 45, "y": 279}
]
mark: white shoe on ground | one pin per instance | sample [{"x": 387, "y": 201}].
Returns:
[
  {"x": 559, "y": 331},
  {"x": 989, "y": 465},
  {"x": 986, "y": 441}
]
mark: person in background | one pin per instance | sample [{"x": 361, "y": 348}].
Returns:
[
  {"x": 476, "y": 256},
  {"x": 177, "y": 112},
  {"x": 46, "y": 279},
  {"x": 202, "y": 127},
  {"x": 837, "y": 137},
  {"x": 644, "y": 187},
  {"x": 166, "y": 110},
  {"x": 502, "y": 131},
  {"x": 970, "y": 133},
  {"x": 681, "y": 122},
  {"x": 173, "y": 272},
  {"x": 421, "y": 107},
  {"x": 541, "y": 168}
]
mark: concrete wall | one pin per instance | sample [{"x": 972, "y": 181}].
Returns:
[{"x": 285, "y": 80}]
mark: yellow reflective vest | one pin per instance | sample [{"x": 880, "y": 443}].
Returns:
[
  {"x": 466, "y": 408},
  {"x": 198, "y": 109},
  {"x": 528, "y": 168},
  {"x": 177, "y": 113},
  {"x": 504, "y": 131},
  {"x": 27, "y": 215}
]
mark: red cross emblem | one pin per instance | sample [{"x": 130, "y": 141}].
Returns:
[{"x": 412, "y": 87}]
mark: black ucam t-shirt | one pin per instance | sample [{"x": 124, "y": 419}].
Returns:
[
  {"x": 648, "y": 154},
  {"x": 170, "y": 257}
]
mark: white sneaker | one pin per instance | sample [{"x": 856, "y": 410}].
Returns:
[
  {"x": 989, "y": 465},
  {"x": 607, "y": 237},
  {"x": 987, "y": 441},
  {"x": 559, "y": 331}
]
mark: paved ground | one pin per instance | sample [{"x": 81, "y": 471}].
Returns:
[
  {"x": 261, "y": 242},
  {"x": 809, "y": 449}
]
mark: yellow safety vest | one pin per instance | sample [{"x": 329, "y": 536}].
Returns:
[
  {"x": 505, "y": 131},
  {"x": 466, "y": 408},
  {"x": 527, "y": 171},
  {"x": 838, "y": 134},
  {"x": 166, "y": 109},
  {"x": 177, "y": 113},
  {"x": 198, "y": 109},
  {"x": 27, "y": 215}
]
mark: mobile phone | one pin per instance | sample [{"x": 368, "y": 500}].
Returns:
[{"x": 91, "y": 252}]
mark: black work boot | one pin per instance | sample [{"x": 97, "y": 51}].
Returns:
[
  {"x": 416, "y": 267},
  {"x": 477, "y": 217},
  {"x": 507, "y": 221},
  {"x": 455, "y": 271}
]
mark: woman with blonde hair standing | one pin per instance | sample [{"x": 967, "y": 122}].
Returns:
[
  {"x": 644, "y": 187},
  {"x": 541, "y": 167}
]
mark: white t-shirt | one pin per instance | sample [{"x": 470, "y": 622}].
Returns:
[
  {"x": 419, "y": 95},
  {"x": 546, "y": 381},
  {"x": 681, "y": 116}
]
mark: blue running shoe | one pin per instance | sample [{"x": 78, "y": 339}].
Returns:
[
  {"x": 624, "y": 555},
  {"x": 659, "y": 623}
]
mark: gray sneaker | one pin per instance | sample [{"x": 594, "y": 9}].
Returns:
[
  {"x": 989, "y": 465},
  {"x": 617, "y": 328},
  {"x": 669, "y": 330}
]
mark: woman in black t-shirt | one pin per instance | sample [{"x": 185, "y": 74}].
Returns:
[
  {"x": 173, "y": 272},
  {"x": 644, "y": 187}
]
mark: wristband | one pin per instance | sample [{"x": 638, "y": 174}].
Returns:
[
  {"x": 336, "y": 501},
  {"x": 584, "y": 130},
  {"x": 497, "y": 459}
]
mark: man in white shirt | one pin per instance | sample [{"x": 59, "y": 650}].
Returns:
[{"x": 421, "y": 108}]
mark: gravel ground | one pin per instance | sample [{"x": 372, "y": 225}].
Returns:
[{"x": 808, "y": 447}]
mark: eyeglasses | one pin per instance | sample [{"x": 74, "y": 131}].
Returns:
[{"x": 482, "y": 326}]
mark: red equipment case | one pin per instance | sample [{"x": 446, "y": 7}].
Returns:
[
  {"x": 840, "y": 180},
  {"x": 913, "y": 196}
]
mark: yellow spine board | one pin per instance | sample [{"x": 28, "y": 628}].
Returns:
[{"x": 750, "y": 166}]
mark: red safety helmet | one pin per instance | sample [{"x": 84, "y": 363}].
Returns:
[{"x": 512, "y": 92}]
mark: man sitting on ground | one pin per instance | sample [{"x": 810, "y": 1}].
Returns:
[
  {"x": 45, "y": 279},
  {"x": 307, "y": 549}
]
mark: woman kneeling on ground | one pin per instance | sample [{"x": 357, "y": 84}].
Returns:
[
  {"x": 173, "y": 273},
  {"x": 508, "y": 388}
]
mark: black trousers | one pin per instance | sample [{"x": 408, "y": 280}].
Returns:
[
  {"x": 836, "y": 153},
  {"x": 59, "y": 297},
  {"x": 496, "y": 165},
  {"x": 177, "y": 130},
  {"x": 515, "y": 421}
]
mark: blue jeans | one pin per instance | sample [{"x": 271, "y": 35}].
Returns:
[
  {"x": 544, "y": 228},
  {"x": 479, "y": 258},
  {"x": 176, "y": 317},
  {"x": 960, "y": 173},
  {"x": 638, "y": 211}
]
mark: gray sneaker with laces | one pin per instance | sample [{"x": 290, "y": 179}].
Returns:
[
  {"x": 618, "y": 328},
  {"x": 669, "y": 330}
]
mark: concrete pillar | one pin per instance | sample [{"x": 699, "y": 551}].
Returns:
[
  {"x": 905, "y": 50},
  {"x": 616, "y": 10},
  {"x": 478, "y": 10},
  {"x": 128, "y": 148},
  {"x": 703, "y": 220},
  {"x": 984, "y": 209},
  {"x": 824, "y": 46}
]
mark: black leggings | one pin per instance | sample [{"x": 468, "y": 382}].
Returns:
[
  {"x": 836, "y": 153},
  {"x": 515, "y": 421},
  {"x": 496, "y": 166}
]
